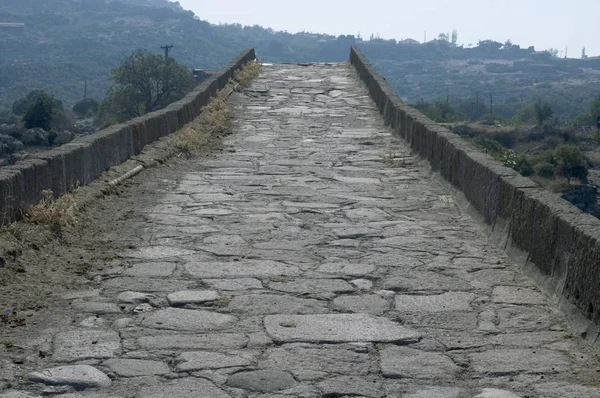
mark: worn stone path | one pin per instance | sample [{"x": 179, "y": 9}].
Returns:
[{"x": 314, "y": 257}]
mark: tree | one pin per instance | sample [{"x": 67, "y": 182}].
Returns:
[
  {"x": 40, "y": 113},
  {"x": 571, "y": 162},
  {"x": 443, "y": 37},
  {"x": 454, "y": 36},
  {"x": 145, "y": 82},
  {"x": 553, "y": 52},
  {"x": 543, "y": 111},
  {"x": 86, "y": 107},
  {"x": 22, "y": 105}
]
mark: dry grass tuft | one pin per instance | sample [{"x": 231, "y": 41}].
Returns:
[
  {"x": 214, "y": 119},
  {"x": 245, "y": 75},
  {"x": 57, "y": 213}
]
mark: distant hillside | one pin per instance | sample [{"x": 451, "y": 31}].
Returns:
[
  {"x": 510, "y": 76},
  {"x": 66, "y": 42}
]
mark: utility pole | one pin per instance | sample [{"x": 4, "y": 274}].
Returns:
[
  {"x": 566, "y": 51},
  {"x": 167, "y": 48}
]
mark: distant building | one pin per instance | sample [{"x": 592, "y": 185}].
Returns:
[{"x": 409, "y": 41}]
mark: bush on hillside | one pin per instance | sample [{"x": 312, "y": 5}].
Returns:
[
  {"x": 40, "y": 113},
  {"x": 571, "y": 162},
  {"x": 86, "y": 107}
]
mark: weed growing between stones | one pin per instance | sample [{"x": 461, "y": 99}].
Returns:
[{"x": 392, "y": 159}]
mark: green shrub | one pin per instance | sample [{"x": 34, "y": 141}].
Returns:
[
  {"x": 523, "y": 166},
  {"x": 544, "y": 169},
  {"x": 571, "y": 162},
  {"x": 86, "y": 107},
  {"x": 490, "y": 145},
  {"x": 40, "y": 113}
]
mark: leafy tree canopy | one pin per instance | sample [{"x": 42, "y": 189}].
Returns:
[
  {"x": 41, "y": 112},
  {"x": 143, "y": 83},
  {"x": 571, "y": 162},
  {"x": 85, "y": 107}
]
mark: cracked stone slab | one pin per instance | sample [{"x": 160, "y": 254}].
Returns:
[
  {"x": 151, "y": 270},
  {"x": 300, "y": 359},
  {"x": 425, "y": 282},
  {"x": 337, "y": 328},
  {"x": 346, "y": 269},
  {"x": 267, "y": 380},
  {"x": 183, "y": 388},
  {"x": 517, "y": 295},
  {"x": 158, "y": 252},
  {"x": 79, "y": 377},
  {"x": 234, "y": 284},
  {"x": 515, "y": 361},
  {"x": 193, "y": 342},
  {"x": 408, "y": 363},
  {"x": 241, "y": 269},
  {"x": 313, "y": 286},
  {"x": 137, "y": 367},
  {"x": 188, "y": 320},
  {"x": 86, "y": 344},
  {"x": 372, "y": 304},
  {"x": 263, "y": 304},
  {"x": 182, "y": 298},
  {"x": 453, "y": 301},
  {"x": 194, "y": 361},
  {"x": 350, "y": 386}
]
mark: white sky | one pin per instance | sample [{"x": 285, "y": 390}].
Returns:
[{"x": 540, "y": 23}]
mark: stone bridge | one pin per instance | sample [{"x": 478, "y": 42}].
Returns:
[{"x": 327, "y": 252}]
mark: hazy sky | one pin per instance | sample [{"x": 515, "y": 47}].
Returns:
[{"x": 540, "y": 23}]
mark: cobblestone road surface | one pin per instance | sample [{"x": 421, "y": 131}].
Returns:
[{"x": 314, "y": 257}]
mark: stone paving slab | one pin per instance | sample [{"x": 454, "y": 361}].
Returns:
[
  {"x": 337, "y": 328},
  {"x": 312, "y": 257}
]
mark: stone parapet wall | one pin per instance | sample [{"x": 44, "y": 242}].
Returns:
[
  {"x": 84, "y": 159},
  {"x": 559, "y": 240}
]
